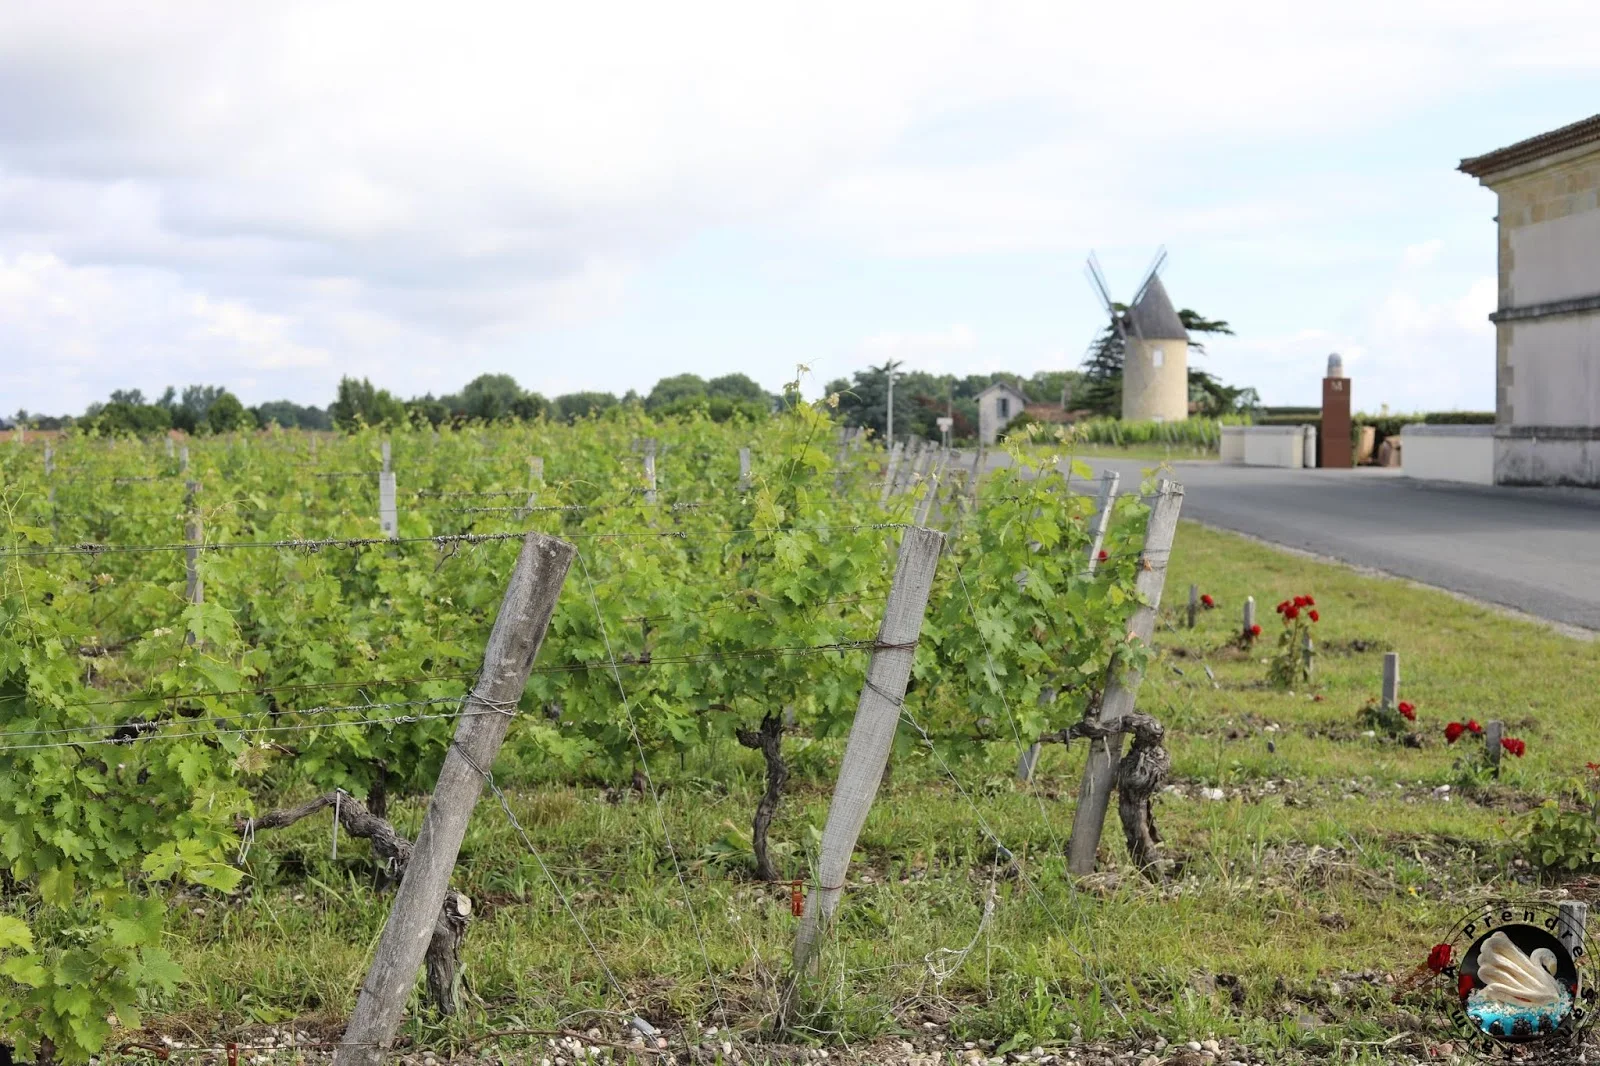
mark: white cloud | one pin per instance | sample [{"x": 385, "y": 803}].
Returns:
[
  {"x": 1423, "y": 254},
  {"x": 320, "y": 186}
]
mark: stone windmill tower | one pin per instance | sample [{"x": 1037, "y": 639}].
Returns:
[{"x": 1155, "y": 369}]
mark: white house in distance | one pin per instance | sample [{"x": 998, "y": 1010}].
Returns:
[
  {"x": 1547, "y": 327},
  {"x": 997, "y": 406}
]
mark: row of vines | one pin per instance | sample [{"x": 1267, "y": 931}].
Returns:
[{"x": 137, "y": 728}]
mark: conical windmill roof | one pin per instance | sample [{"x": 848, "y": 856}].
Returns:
[{"x": 1153, "y": 317}]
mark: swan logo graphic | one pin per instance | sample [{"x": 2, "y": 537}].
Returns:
[{"x": 1518, "y": 982}]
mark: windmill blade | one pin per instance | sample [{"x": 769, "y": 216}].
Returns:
[
  {"x": 1150, "y": 274},
  {"x": 1098, "y": 281}
]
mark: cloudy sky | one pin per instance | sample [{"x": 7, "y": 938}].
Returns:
[{"x": 592, "y": 195}]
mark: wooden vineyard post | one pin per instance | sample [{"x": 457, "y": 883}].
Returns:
[
  {"x": 1306, "y": 653},
  {"x": 535, "y": 471},
  {"x": 193, "y": 586},
  {"x": 866, "y": 753},
  {"x": 1097, "y": 537},
  {"x": 183, "y": 459},
  {"x": 1122, "y": 684},
  {"x": 388, "y": 516},
  {"x": 1572, "y": 915},
  {"x": 1391, "y": 680},
  {"x": 1194, "y": 603},
  {"x": 49, "y": 461},
  {"x": 925, "y": 505},
  {"x": 169, "y": 447},
  {"x": 1248, "y": 632},
  {"x": 650, "y": 471},
  {"x": 744, "y": 469},
  {"x": 1493, "y": 733},
  {"x": 486, "y": 714},
  {"x": 889, "y": 474}
]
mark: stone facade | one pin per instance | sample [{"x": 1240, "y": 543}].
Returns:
[
  {"x": 1547, "y": 327},
  {"x": 997, "y": 406}
]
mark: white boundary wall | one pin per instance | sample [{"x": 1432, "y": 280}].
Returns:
[
  {"x": 1265, "y": 445},
  {"x": 1448, "y": 453}
]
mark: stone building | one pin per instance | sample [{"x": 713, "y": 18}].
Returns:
[
  {"x": 1547, "y": 327},
  {"x": 1155, "y": 368},
  {"x": 997, "y": 406}
]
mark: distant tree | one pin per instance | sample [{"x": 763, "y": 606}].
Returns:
[
  {"x": 427, "y": 411},
  {"x": 738, "y": 387},
  {"x": 576, "y": 405},
  {"x": 131, "y": 397},
  {"x": 290, "y": 415},
  {"x": 225, "y": 413},
  {"x": 359, "y": 403},
  {"x": 672, "y": 391},
  {"x": 530, "y": 405},
  {"x": 123, "y": 417},
  {"x": 489, "y": 397}
]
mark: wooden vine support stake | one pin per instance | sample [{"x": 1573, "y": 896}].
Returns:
[
  {"x": 925, "y": 505},
  {"x": 49, "y": 461},
  {"x": 1572, "y": 916},
  {"x": 867, "y": 751},
  {"x": 650, "y": 470},
  {"x": 1122, "y": 684},
  {"x": 744, "y": 469},
  {"x": 1391, "y": 680},
  {"x": 169, "y": 447},
  {"x": 1493, "y": 733},
  {"x": 194, "y": 590},
  {"x": 1194, "y": 603},
  {"x": 1248, "y": 632},
  {"x": 1097, "y": 538},
  {"x": 183, "y": 459},
  {"x": 890, "y": 473},
  {"x": 519, "y": 630}
]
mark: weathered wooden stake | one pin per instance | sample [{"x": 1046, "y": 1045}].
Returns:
[
  {"x": 384, "y": 447},
  {"x": 1194, "y": 603},
  {"x": 388, "y": 515},
  {"x": 519, "y": 629},
  {"x": 1122, "y": 684},
  {"x": 183, "y": 459},
  {"x": 889, "y": 474},
  {"x": 744, "y": 469},
  {"x": 650, "y": 470},
  {"x": 1391, "y": 680},
  {"x": 867, "y": 751},
  {"x": 1493, "y": 732},
  {"x": 1572, "y": 916},
  {"x": 1306, "y": 654},
  {"x": 536, "y": 469},
  {"x": 1104, "y": 505},
  {"x": 169, "y": 447},
  {"x": 1249, "y": 618},
  {"x": 194, "y": 586},
  {"x": 49, "y": 461}
]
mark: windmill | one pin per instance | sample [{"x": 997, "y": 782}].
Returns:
[{"x": 1155, "y": 346}]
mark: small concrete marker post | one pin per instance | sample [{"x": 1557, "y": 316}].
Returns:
[
  {"x": 866, "y": 753},
  {"x": 1493, "y": 732},
  {"x": 384, "y": 449},
  {"x": 1249, "y": 617},
  {"x": 1122, "y": 684},
  {"x": 744, "y": 469},
  {"x": 1097, "y": 537},
  {"x": 519, "y": 630},
  {"x": 1194, "y": 603},
  {"x": 1391, "y": 680}
]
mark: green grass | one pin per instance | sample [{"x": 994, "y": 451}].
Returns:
[{"x": 1330, "y": 860}]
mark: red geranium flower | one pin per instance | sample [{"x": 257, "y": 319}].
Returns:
[
  {"x": 1513, "y": 745},
  {"x": 1439, "y": 957},
  {"x": 1315, "y": 617},
  {"x": 1255, "y": 631},
  {"x": 1292, "y": 613},
  {"x": 1594, "y": 767},
  {"x": 1453, "y": 731},
  {"x": 1299, "y": 601},
  {"x": 1464, "y": 985},
  {"x": 1103, "y": 556},
  {"x": 1408, "y": 712},
  {"x": 1310, "y": 602},
  {"x": 1284, "y": 606},
  {"x": 1473, "y": 727},
  {"x": 1207, "y": 600}
]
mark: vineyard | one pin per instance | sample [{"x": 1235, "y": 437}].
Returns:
[{"x": 231, "y": 671}]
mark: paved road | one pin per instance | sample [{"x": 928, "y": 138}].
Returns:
[{"x": 1537, "y": 550}]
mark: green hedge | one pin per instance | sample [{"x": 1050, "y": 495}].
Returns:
[
  {"x": 1191, "y": 432},
  {"x": 1459, "y": 418}
]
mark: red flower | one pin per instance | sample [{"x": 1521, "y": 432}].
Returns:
[
  {"x": 1315, "y": 617},
  {"x": 1594, "y": 767},
  {"x": 1207, "y": 600},
  {"x": 1464, "y": 985},
  {"x": 1453, "y": 731},
  {"x": 1282, "y": 607},
  {"x": 1407, "y": 708},
  {"x": 1310, "y": 602},
  {"x": 1473, "y": 727},
  {"x": 1513, "y": 745},
  {"x": 1291, "y": 613},
  {"x": 1299, "y": 601},
  {"x": 1103, "y": 556},
  {"x": 1255, "y": 631},
  {"x": 1439, "y": 957},
  {"x": 1408, "y": 712}
]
